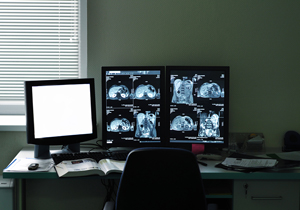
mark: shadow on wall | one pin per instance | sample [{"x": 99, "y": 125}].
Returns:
[{"x": 11, "y": 142}]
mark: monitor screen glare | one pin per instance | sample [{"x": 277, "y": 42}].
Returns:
[{"x": 61, "y": 110}]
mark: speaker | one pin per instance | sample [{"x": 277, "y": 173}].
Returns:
[{"x": 291, "y": 141}]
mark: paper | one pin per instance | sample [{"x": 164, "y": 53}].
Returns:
[
  {"x": 21, "y": 165},
  {"x": 249, "y": 163},
  {"x": 295, "y": 155},
  {"x": 256, "y": 140},
  {"x": 108, "y": 164},
  {"x": 88, "y": 166},
  {"x": 79, "y": 165}
]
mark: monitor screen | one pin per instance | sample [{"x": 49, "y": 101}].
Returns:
[
  {"x": 133, "y": 106},
  {"x": 198, "y": 103},
  {"x": 60, "y": 112}
]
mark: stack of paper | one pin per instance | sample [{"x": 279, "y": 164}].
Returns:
[
  {"x": 249, "y": 163},
  {"x": 21, "y": 165}
]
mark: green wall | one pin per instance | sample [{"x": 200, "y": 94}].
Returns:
[{"x": 258, "y": 39}]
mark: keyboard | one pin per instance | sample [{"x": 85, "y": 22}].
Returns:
[{"x": 115, "y": 155}]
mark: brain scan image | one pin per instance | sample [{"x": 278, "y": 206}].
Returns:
[
  {"x": 145, "y": 127},
  {"x": 145, "y": 92},
  {"x": 209, "y": 125},
  {"x": 183, "y": 90},
  {"x": 182, "y": 123},
  {"x": 209, "y": 90},
  {"x": 118, "y": 92},
  {"x": 119, "y": 125}
]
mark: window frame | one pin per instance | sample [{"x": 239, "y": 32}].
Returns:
[{"x": 12, "y": 115}]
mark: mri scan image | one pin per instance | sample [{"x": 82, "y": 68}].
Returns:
[
  {"x": 183, "y": 90},
  {"x": 145, "y": 127},
  {"x": 119, "y": 125},
  {"x": 143, "y": 92},
  {"x": 209, "y": 125},
  {"x": 210, "y": 90},
  {"x": 118, "y": 92},
  {"x": 183, "y": 123}
]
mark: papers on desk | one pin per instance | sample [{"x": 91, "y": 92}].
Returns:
[
  {"x": 295, "y": 155},
  {"x": 249, "y": 163},
  {"x": 21, "y": 165},
  {"x": 88, "y": 166}
]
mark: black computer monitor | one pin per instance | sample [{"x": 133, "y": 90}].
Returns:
[
  {"x": 60, "y": 112},
  {"x": 198, "y": 103},
  {"x": 133, "y": 106}
]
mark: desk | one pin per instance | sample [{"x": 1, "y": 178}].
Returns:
[{"x": 270, "y": 185}]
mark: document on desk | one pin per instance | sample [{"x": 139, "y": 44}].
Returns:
[
  {"x": 295, "y": 155},
  {"x": 21, "y": 165},
  {"x": 88, "y": 166},
  {"x": 249, "y": 163}
]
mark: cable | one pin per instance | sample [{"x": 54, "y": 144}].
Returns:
[
  {"x": 96, "y": 145},
  {"x": 109, "y": 185}
]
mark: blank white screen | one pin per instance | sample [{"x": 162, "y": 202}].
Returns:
[{"x": 61, "y": 110}]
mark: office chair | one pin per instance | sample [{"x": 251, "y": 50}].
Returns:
[{"x": 160, "y": 178}]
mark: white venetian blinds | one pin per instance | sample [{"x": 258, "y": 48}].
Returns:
[{"x": 38, "y": 40}]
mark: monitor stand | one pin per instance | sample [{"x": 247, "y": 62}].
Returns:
[{"x": 43, "y": 151}]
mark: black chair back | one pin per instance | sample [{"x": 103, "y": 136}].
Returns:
[{"x": 161, "y": 178}]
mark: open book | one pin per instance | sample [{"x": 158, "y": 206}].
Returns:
[{"x": 88, "y": 166}]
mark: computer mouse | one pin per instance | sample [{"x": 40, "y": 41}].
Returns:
[{"x": 33, "y": 166}]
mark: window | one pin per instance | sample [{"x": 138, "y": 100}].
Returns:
[{"x": 39, "y": 40}]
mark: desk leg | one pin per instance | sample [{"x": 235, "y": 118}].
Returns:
[{"x": 20, "y": 194}]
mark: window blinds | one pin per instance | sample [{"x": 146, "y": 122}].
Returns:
[{"x": 38, "y": 40}]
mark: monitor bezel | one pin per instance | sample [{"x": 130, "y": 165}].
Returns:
[
  {"x": 58, "y": 140},
  {"x": 226, "y": 70},
  {"x": 133, "y": 144}
]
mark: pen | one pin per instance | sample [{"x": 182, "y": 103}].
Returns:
[{"x": 202, "y": 163}]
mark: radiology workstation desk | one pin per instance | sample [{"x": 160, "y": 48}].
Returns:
[{"x": 272, "y": 189}]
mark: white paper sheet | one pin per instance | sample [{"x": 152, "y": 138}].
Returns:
[{"x": 249, "y": 163}]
